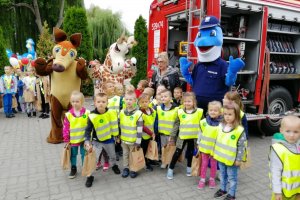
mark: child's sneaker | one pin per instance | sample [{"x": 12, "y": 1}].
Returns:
[
  {"x": 212, "y": 183},
  {"x": 201, "y": 184},
  {"x": 99, "y": 165},
  {"x": 149, "y": 168},
  {"x": 219, "y": 194},
  {"x": 163, "y": 166},
  {"x": 89, "y": 181},
  {"x": 188, "y": 171},
  {"x": 170, "y": 174},
  {"x": 73, "y": 172},
  {"x": 133, "y": 174},
  {"x": 229, "y": 197},
  {"x": 105, "y": 166},
  {"x": 116, "y": 169},
  {"x": 125, "y": 173}
]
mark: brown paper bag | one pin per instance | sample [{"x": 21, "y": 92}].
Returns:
[
  {"x": 181, "y": 157},
  {"x": 167, "y": 154},
  {"x": 136, "y": 159},
  {"x": 246, "y": 164},
  {"x": 152, "y": 150},
  {"x": 28, "y": 96},
  {"x": 196, "y": 161},
  {"x": 66, "y": 157},
  {"x": 14, "y": 102},
  {"x": 89, "y": 163}
]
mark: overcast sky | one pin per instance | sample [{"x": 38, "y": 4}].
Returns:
[{"x": 129, "y": 9}]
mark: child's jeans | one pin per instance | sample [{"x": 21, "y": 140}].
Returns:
[
  {"x": 205, "y": 158},
  {"x": 74, "y": 153},
  {"x": 228, "y": 174},
  {"x": 7, "y": 103}
]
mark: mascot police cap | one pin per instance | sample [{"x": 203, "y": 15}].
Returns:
[{"x": 209, "y": 21}]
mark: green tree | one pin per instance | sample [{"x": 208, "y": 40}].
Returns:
[
  {"x": 45, "y": 43},
  {"x": 3, "y": 57},
  {"x": 75, "y": 21},
  {"x": 140, "y": 51},
  {"x": 105, "y": 27}
]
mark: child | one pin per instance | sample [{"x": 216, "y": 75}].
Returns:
[
  {"x": 207, "y": 138},
  {"x": 43, "y": 95},
  {"x": 113, "y": 100},
  {"x": 119, "y": 89},
  {"x": 189, "y": 118},
  {"x": 157, "y": 100},
  {"x": 100, "y": 132},
  {"x": 131, "y": 123},
  {"x": 177, "y": 96},
  {"x": 284, "y": 161},
  {"x": 166, "y": 115},
  {"x": 30, "y": 92},
  {"x": 8, "y": 88},
  {"x": 229, "y": 150},
  {"x": 140, "y": 87},
  {"x": 129, "y": 88},
  {"x": 20, "y": 89},
  {"x": 149, "y": 116},
  {"x": 233, "y": 96},
  {"x": 150, "y": 92},
  {"x": 74, "y": 125}
]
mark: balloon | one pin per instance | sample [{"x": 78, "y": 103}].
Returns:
[
  {"x": 24, "y": 61},
  {"x": 13, "y": 61},
  {"x": 32, "y": 63}
]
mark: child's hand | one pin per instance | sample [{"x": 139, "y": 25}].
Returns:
[
  {"x": 89, "y": 147},
  {"x": 278, "y": 196},
  {"x": 171, "y": 141},
  {"x": 237, "y": 163},
  {"x": 153, "y": 136}
]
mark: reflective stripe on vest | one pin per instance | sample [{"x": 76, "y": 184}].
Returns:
[
  {"x": 128, "y": 126},
  {"x": 290, "y": 178},
  {"x": 149, "y": 123},
  {"x": 225, "y": 150},
  {"x": 189, "y": 124},
  {"x": 105, "y": 124},
  {"x": 166, "y": 120},
  {"x": 208, "y": 137},
  {"x": 77, "y": 127},
  {"x": 114, "y": 103}
]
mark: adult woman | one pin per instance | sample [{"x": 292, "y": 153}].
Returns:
[{"x": 165, "y": 74}]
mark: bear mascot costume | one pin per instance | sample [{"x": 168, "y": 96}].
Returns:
[
  {"x": 211, "y": 77},
  {"x": 66, "y": 73}
]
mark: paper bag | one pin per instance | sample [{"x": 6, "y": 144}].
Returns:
[
  {"x": 181, "y": 157},
  {"x": 247, "y": 160},
  {"x": 152, "y": 150},
  {"x": 28, "y": 96},
  {"x": 14, "y": 102},
  {"x": 136, "y": 159},
  {"x": 89, "y": 163},
  {"x": 196, "y": 161},
  {"x": 167, "y": 154},
  {"x": 66, "y": 157}
]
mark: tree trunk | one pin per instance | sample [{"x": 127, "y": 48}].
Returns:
[
  {"x": 38, "y": 19},
  {"x": 61, "y": 13}
]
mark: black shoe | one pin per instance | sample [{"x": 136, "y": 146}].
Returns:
[
  {"x": 125, "y": 173},
  {"x": 29, "y": 114},
  {"x": 45, "y": 116},
  {"x": 219, "y": 194},
  {"x": 229, "y": 197},
  {"x": 154, "y": 162},
  {"x": 89, "y": 181},
  {"x": 12, "y": 115},
  {"x": 42, "y": 115},
  {"x": 34, "y": 114},
  {"x": 8, "y": 116},
  {"x": 14, "y": 111},
  {"x": 73, "y": 172},
  {"x": 149, "y": 168},
  {"x": 116, "y": 169},
  {"x": 117, "y": 157},
  {"x": 133, "y": 174}
]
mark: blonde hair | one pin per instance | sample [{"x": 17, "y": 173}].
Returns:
[
  {"x": 77, "y": 94},
  {"x": 235, "y": 97},
  {"x": 149, "y": 91},
  {"x": 164, "y": 56},
  {"x": 144, "y": 96},
  {"x": 215, "y": 103},
  {"x": 192, "y": 95},
  {"x": 233, "y": 106},
  {"x": 144, "y": 83},
  {"x": 166, "y": 91},
  {"x": 117, "y": 86},
  {"x": 289, "y": 118},
  {"x": 129, "y": 88},
  {"x": 106, "y": 83},
  {"x": 101, "y": 95}
]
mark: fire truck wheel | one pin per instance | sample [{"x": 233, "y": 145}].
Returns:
[{"x": 280, "y": 101}]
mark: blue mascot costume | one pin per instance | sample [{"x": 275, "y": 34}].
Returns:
[{"x": 212, "y": 76}]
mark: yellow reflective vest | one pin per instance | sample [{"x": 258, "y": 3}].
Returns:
[
  {"x": 208, "y": 137},
  {"x": 290, "y": 177},
  {"x": 114, "y": 103},
  {"x": 77, "y": 126},
  {"x": 189, "y": 124},
  {"x": 225, "y": 150},
  {"x": 106, "y": 124},
  {"x": 149, "y": 123},
  {"x": 166, "y": 120},
  {"x": 128, "y": 126}
]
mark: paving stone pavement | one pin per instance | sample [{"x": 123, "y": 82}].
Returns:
[{"x": 30, "y": 169}]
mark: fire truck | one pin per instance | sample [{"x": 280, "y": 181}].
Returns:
[{"x": 265, "y": 33}]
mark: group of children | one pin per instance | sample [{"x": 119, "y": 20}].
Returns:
[{"x": 25, "y": 92}]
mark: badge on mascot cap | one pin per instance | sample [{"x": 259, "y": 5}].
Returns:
[{"x": 208, "y": 22}]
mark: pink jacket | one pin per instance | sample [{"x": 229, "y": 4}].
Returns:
[{"x": 66, "y": 128}]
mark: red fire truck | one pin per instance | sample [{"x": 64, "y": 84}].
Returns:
[{"x": 265, "y": 33}]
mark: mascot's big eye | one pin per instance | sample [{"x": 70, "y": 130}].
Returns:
[
  {"x": 213, "y": 33},
  {"x": 198, "y": 35},
  {"x": 57, "y": 49},
  {"x": 72, "y": 54}
]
